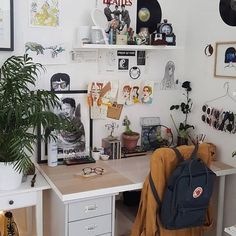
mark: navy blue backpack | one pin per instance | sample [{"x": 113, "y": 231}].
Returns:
[{"x": 187, "y": 195}]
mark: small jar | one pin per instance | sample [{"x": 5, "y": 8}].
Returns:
[
  {"x": 96, "y": 35},
  {"x": 144, "y": 35}
]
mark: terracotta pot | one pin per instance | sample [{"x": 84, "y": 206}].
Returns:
[
  {"x": 130, "y": 140},
  {"x": 182, "y": 141}
]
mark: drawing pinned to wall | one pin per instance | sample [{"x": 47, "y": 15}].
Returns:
[
  {"x": 44, "y": 13},
  {"x": 47, "y": 54},
  {"x": 169, "y": 82},
  {"x": 147, "y": 92},
  {"x": 100, "y": 96},
  {"x": 124, "y": 94},
  {"x": 107, "y": 61},
  {"x": 135, "y": 93},
  {"x": 60, "y": 82}
]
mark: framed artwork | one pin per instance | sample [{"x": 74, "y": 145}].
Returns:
[
  {"x": 74, "y": 107},
  {"x": 225, "y": 60},
  {"x": 6, "y": 25}
]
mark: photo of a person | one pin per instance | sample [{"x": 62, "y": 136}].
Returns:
[
  {"x": 147, "y": 95},
  {"x": 168, "y": 82},
  {"x": 74, "y": 138},
  {"x": 125, "y": 18},
  {"x": 116, "y": 13},
  {"x": 60, "y": 82},
  {"x": 108, "y": 12}
]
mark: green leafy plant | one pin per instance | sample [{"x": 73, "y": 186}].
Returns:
[
  {"x": 127, "y": 123},
  {"x": 23, "y": 110},
  {"x": 185, "y": 107}
]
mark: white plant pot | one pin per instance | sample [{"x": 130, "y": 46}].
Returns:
[{"x": 9, "y": 178}]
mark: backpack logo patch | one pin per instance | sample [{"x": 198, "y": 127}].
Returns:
[{"x": 197, "y": 192}]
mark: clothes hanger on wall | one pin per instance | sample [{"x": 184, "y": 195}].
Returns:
[{"x": 227, "y": 94}]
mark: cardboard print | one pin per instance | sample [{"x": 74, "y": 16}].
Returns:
[
  {"x": 44, "y": 13},
  {"x": 120, "y": 14},
  {"x": 47, "y": 54},
  {"x": 168, "y": 82},
  {"x": 60, "y": 82},
  {"x": 147, "y": 92}
]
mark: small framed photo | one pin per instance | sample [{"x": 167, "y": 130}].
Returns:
[
  {"x": 6, "y": 25},
  {"x": 225, "y": 60},
  {"x": 74, "y": 107}
]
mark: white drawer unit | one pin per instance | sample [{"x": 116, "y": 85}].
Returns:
[
  {"x": 18, "y": 200},
  {"x": 101, "y": 225},
  {"x": 90, "y": 208}
]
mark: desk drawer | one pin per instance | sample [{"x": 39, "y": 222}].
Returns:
[
  {"x": 18, "y": 200},
  {"x": 95, "y": 226},
  {"x": 90, "y": 208}
]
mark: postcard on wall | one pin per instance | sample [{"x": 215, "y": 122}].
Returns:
[
  {"x": 122, "y": 13},
  {"x": 147, "y": 92},
  {"x": 47, "y": 54},
  {"x": 44, "y": 13},
  {"x": 100, "y": 96}
]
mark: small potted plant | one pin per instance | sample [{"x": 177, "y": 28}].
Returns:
[
  {"x": 185, "y": 107},
  {"x": 129, "y": 137}
]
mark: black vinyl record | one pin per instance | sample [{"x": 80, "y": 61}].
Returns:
[
  {"x": 228, "y": 11},
  {"x": 148, "y": 15}
]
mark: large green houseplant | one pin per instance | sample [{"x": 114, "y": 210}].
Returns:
[{"x": 22, "y": 109}]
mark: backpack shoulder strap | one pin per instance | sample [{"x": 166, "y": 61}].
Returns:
[
  {"x": 178, "y": 155},
  {"x": 194, "y": 153},
  {"x": 154, "y": 191}
]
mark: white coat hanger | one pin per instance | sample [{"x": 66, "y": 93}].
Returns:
[{"x": 227, "y": 94}]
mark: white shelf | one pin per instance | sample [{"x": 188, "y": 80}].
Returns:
[{"x": 127, "y": 47}]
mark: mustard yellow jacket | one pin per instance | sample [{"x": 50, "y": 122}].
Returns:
[{"x": 163, "y": 162}]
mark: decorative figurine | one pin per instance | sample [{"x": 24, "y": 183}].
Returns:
[{"x": 111, "y": 127}]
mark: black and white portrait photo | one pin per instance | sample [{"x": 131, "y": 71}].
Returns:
[
  {"x": 60, "y": 82},
  {"x": 76, "y": 140}
]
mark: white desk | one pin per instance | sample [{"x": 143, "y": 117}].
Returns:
[
  {"x": 26, "y": 196},
  {"x": 231, "y": 230},
  {"x": 120, "y": 175}
]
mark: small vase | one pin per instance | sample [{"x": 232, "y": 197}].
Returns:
[{"x": 182, "y": 141}]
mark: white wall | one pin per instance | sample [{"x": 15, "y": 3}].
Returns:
[
  {"x": 75, "y": 13},
  {"x": 202, "y": 23},
  {"x": 204, "y": 26}
]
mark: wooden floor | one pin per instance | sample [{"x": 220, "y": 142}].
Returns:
[{"x": 125, "y": 216}]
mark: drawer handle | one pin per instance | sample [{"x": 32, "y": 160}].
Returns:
[
  {"x": 91, "y": 227},
  {"x": 11, "y": 202},
  {"x": 91, "y": 208}
]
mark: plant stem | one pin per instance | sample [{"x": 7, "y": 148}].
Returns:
[{"x": 174, "y": 124}]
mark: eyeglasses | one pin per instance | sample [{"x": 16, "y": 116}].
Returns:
[
  {"x": 56, "y": 85},
  {"x": 96, "y": 170}
]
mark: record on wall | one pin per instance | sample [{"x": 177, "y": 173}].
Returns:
[
  {"x": 148, "y": 15},
  {"x": 227, "y": 10}
]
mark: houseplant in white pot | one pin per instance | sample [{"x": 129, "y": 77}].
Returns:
[{"x": 21, "y": 111}]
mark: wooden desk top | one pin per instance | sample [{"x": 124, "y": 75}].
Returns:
[{"x": 120, "y": 175}]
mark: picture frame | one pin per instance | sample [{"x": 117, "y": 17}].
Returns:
[
  {"x": 80, "y": 98},
  {"x": 6, "y": 25},
  {"x": 225, "y": 60}
]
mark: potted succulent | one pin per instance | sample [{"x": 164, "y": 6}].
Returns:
[
  {"x": 129, "y": 137},
  {"x": 21, "y": 111},
  {"x": 185, "y": 107}
]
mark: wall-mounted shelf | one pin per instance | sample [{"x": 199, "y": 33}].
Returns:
[{"x": 127, "y": 47}]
